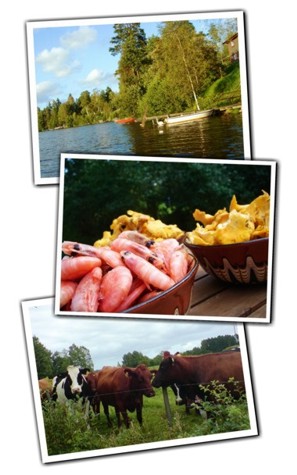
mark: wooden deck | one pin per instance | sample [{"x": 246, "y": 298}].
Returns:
[{"x": 214, "y": 298}]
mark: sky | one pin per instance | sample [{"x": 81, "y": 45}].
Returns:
[
  {"x": 108, "y": 339},
  {"x": 72, "y": 59}
]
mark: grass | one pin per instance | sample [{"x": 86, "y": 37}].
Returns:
[
  {"x": 225, "y": 91},
  {"x": 68, "y": 430}
]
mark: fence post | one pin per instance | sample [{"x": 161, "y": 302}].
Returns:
[{"x": 167, "y": 406}]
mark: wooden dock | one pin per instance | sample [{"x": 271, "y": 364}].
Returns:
[{"x": 157, "y": 118}]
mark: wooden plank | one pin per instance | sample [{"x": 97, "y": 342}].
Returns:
[
  {"x": 232, "y": 301},
  {"x": 259, "y": 312},
  {"x": 206, "y": 287}
]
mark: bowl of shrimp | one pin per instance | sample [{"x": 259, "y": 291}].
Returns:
[{"x": 133, "y": 275}]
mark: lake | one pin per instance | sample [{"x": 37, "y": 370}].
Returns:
[{"x": 214, "y": 137}]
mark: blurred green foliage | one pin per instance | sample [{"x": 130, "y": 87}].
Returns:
[{"x": 96, "y": 191}]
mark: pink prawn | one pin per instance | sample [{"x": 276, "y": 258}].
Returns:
[
  {"x": 115, "y": 287},
  {"x": 136, "y": 290},
  {"x": 76, "y": 267},
  {"x": 67, "y": 290},
  {"x": 149, "y": 295},
  {"x": 146, "y": 271},
  {"x": 165, "y": 248},
  {"x": 136, "y": 236},
  {"x": 86, "y": 295},
  {"x": 110, "y": 257},
  {"x": 178, "y": 265},
  {"x": 123, "y": 244}
]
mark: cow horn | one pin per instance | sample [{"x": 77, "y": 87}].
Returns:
[{"x": 172, "y": 360}]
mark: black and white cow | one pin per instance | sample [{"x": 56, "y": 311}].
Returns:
[{"x": 71, "y": 385}]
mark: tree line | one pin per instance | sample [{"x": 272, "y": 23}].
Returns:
[
  {"x": 159, "y": 75},
  {"x": 50, "y": 363},
  {"x": 98, "y": 191}
]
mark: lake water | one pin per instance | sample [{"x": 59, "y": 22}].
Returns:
[{"x": 214, "y": 137}]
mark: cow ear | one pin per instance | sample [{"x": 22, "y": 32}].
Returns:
[
  {"x": 85, "y": 370},
  {"x": 128, "y": 372}
]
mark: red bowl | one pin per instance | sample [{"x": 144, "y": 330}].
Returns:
[
  {"x": 243, "y": 263},
  {"x": 174, "y": 301}
]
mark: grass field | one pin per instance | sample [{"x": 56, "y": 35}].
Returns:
[{"x": 68, "y": 430}]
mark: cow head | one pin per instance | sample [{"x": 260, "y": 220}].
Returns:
[
  {"x": 140, "y": 380},
  {"x": 92, "y": 380},
  {"x": 166, "y": 374},
  {"x": 76, "y": 379}
]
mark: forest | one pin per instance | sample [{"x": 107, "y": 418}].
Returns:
[
  {"x": 159, "y": 75},
  {"x": 51, "y": 363},
  {"x": 98, "y": 191}
]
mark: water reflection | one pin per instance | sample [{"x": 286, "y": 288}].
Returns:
[{"x": 214, "y": 137}]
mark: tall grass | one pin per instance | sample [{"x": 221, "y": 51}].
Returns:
[
  {"x": 69, "y": 430},
  {"x": 224, "y": 91}
]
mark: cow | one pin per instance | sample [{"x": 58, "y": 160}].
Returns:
[
  {"x": 45, "y": 388},
  {"x": 184, "y": 394},
  {"x": 187, "y": 395},
  {"x": 71, "y": 385},
  {"x": 123, "y": 388},
  {"x": 191, "y": 373}
]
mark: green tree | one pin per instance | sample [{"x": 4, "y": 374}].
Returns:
[
  {"x": 183, "y": 64},
  {"x": 80, "y": 356},
  {"x": 60, "y": 361},
  {"x": 74, "y": 355},
  {"x": 129, "y": 41},
  {"x": 218, "y": 343},
  {"x": 135, "y": 358},
  {"x": 43, "y": 359}
]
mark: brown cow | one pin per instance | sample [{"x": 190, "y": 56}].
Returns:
[
  {"x": 122, "y": 388},
  {"x": 189, "y": 372},
  {"x": 45, "y": 388}
]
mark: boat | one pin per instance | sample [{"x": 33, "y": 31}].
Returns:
[
  {"x": 180, "y": 119},
  {"x": 126, "y": 120}
]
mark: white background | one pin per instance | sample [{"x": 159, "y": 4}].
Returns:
[{"x": 28, "y": 240}]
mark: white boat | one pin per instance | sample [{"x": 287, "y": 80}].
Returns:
[{"x": 179, "y": 119}]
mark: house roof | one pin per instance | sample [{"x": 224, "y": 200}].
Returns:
[{"x": 231, "y": 38}]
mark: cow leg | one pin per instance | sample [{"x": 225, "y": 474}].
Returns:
[
  {"x": 123, "y": 412},
  {"x": 106, "y": 412},
  {"x": 139, "y": 413}
]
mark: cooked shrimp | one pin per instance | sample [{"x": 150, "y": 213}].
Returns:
[
  {"x": 146, "y": 271},
  {"x": 133, "y": 295},
  {"x": 178, "y": 265},
  {"x": 86, "y": 295},
  {"x": 115, "y": 287},
  {"x": 165, "y": 248},
  {"x": 148, "y": 296},
  {"x": 136, "y": 236},
  {"x": 123, "y": 244},
  {"x": 110, "y": 257},
  {"x": 76, "y": 267},
  {"x": 67, "y": 290}
]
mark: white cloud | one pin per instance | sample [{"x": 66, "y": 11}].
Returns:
[
  {"x": 79, "y": 38},
  {"x": 45, "y": 90},
  {"x": 94, "y": 77},
  {"x": 57, "y": 61},
  {"x": 68, "y": 69},
  {"x": 52, "y": 60}
]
